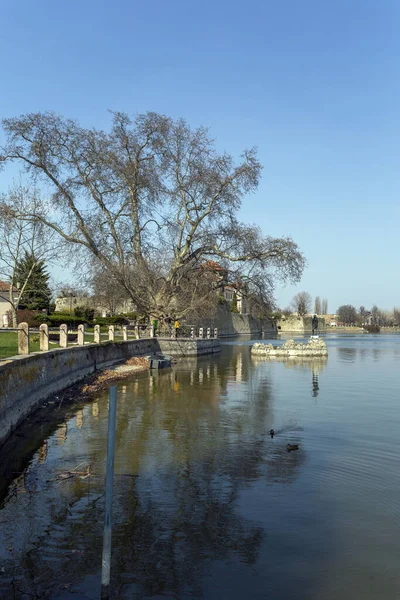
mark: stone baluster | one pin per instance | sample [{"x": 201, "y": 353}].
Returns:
[
  {"x": 151, "y": 331},
  {"x": 137, "y": 332},
  {"x": 63, "y": 336},
  {"x": 81, "y": 335},
  {"x": 125, "y": 333},
  {"x": 44, "y": 337},
  {"x": 111, "y": 333},
  {"x": 96, "y": 334},
  {"x": 23, "y": 338},
  {"x": 215, "y": 332},
  {"x": 208, "y": 333},
  {"x": 192, "y": 333},
  {"x": 201, "y": 333}
]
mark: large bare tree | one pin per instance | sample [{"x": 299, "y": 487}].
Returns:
[
  {"x": 152, "y": 201},
  {"x": 347, "y": 314},
  {"x": 301, "y": 303},
  {"x": 107, "y": 292}
]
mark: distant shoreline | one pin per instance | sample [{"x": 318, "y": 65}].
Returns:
[{"x": 360, "y": 330}]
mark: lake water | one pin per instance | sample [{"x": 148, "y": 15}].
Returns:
[{"x": 206, "y": 504}]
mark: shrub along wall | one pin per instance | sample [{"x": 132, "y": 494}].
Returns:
[
  {"x": 32, "y": 317},
  {"x": 57, "y": 319}
]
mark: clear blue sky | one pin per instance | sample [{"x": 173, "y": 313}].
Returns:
[{"x": 315, "y": 84}]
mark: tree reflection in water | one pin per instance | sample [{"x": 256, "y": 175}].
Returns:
[
  {"x": 189, "y": 442},
  {"x": 315, "y": 364}
]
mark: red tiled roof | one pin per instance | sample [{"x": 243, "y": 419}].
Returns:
[
  {"x": 211, "y": 265},
  {"x": 5, "y": 287},
  {"x": 235, "y": 285}
]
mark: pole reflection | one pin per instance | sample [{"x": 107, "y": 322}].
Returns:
[{"x": 187, "y": 450}]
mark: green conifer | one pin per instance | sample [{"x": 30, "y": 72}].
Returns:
[{"x": 37, "y": 293}]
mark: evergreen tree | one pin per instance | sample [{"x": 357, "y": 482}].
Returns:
[{"x": 37, "y": 293}]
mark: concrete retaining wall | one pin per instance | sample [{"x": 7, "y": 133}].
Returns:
[
  {"x": 25, "y": 381},
  {"x": 185, "y": 347}
]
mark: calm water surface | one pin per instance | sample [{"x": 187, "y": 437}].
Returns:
[{"x": 206, "y": 504}]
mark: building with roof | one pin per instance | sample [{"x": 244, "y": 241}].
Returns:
[
  {"x": 5, "y": 304},
  {"x": 229, "y": 289}
]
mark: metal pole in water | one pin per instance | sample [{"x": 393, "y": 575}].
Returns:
[{"x": 106, "y": 558}]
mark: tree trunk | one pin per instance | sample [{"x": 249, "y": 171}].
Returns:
[{"x": 14, "y": 317}]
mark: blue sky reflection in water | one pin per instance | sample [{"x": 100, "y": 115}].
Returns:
[{"x": 206, "y": 503}]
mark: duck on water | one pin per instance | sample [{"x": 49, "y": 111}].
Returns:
[
  {"x": 289, "y": 447},
  {"x": 292, "y": 447}
]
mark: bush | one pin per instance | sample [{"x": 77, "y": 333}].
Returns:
[
  {"x": 132, "y": 316},
  {"x": 58, "y": 319},
  {"x": 32, "y": 317},
  {"x": 84, "y": 312},
  {"x": 234, "y": 308},
  {"x": 41, "y": 318},
  {"x": 116, "y": 320},
  {"x": 372, "y": 328},
  {"x": 277, "y": 316}
]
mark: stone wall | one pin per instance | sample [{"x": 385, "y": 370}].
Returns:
[
  {"x": 315, "y": 347},
  {"x": 188, "y": 347},
  {"x": 231, "y": 324},
  {"x": 25, "y": 381},
  {"x": 294, "y": 324}
]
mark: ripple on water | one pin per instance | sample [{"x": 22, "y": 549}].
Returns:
[{"x": 206, "y": 504}]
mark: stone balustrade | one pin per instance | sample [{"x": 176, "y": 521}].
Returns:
[
  {"x": 66, "y": 338},
  {"x": 23, "y": 339},
  {"x": 44, "y": 337}
]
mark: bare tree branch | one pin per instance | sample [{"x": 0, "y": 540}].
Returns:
[
  {"x": 20, "y": 237},
  {"x": 151, "y": 201}
]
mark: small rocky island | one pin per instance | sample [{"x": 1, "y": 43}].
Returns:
[{"x": 315, "y": 347}]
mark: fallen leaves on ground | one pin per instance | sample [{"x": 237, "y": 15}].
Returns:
[
  {"x": 101, "y": 380},
  {"x": 77, "y": 472}
]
